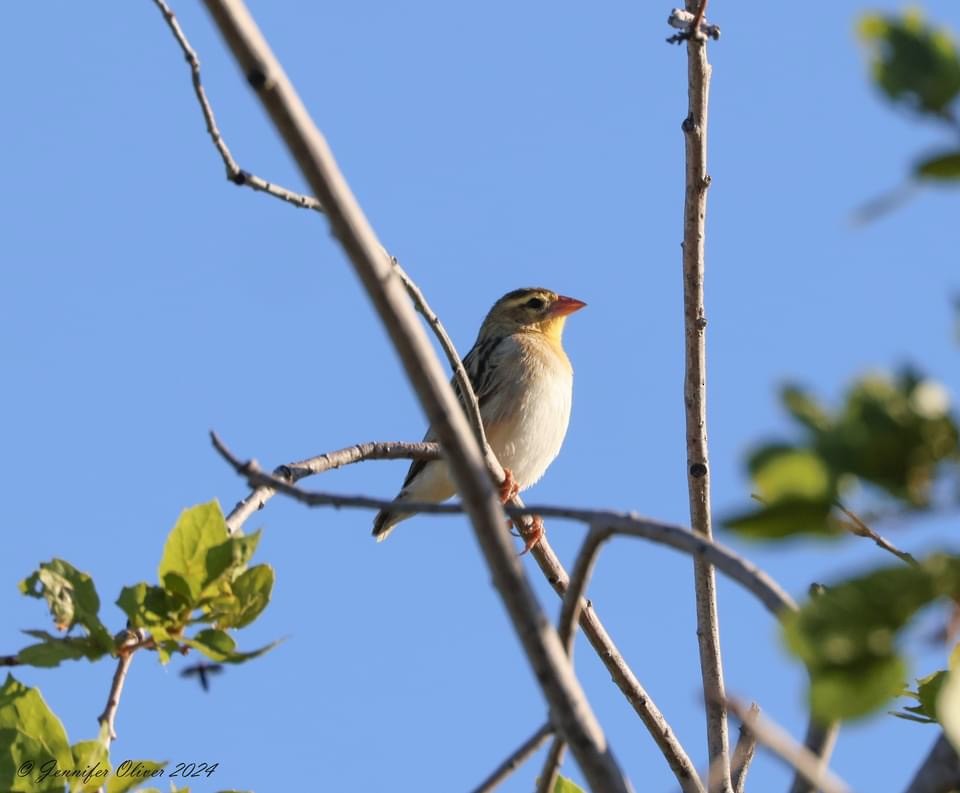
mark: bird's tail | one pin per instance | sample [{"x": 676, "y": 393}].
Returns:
[{"x": 385, "y": 521}]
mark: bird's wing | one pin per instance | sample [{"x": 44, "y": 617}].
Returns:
[{"x": 481, "y": 364}]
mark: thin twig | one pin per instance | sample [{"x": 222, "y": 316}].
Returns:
[
  {"x": 551, "y": 766},
  {"x": 573, "y": 599},
  {"x": 547, "y": 560},
  {"x": 743, "y": 752},
  {"x": 607, "y": 522},
  {"x": 794, "y": 754},
  {"x": 940, "y": 770},
  {"x": 861, "y": 529},
  {"x": 819, "y": 741},
  {"x": 134, "y": 641},
  {"x": 9, "y": 660},
  {"x": 515, "y": 760},
  {"x": 695, "y": 391},
  {"x": 569, "y": 707},
  {"x": 235, "y": 173}
]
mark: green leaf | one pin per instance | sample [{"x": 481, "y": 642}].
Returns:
[
  {"x": 71, "y": 597},
  {"x": 198, "y": 530},
  {"x": 939, "y": 167},
  {"x": 23, "y": 710},
  {"x": 16, "y": 749},
  {"x": 54, "y": 649},
  {"x": 148, "y": 606},
  {"x": 219, "y": 646},
  {"x": 848, "y": 692},
  {"x": 564, "y": 785},
  {"x": 784, "y": 473},
  {"x": 783, "y": 519},
  {"x": 90, "y": 758},
  {"x": 131, "y": 773},
  {"x": 847, "y": 635},
  {"x": 804, "y": 408},
  {"x": 912, "y": 62},
  {"x": 231, "y": 556},
  {"x": 948, "y": 707},
  {"x": 251, "y": 591}
]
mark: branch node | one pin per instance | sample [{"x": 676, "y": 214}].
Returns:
[
  {"x": 239, "y": 177},
  {"x": 691, "y": 26},
  {"x": 698, "y": 470},
  {"x": 689, "y": 125},
  {"x": 257, "y": 78}
]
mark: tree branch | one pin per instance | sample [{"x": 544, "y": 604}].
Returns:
[
  {"x": 544, "y": 555},
  {"x": 743, "y": 752},
  {"x": 861, "y": 529},
  {"x": 797, "y": 756},
  {"x": 695, "y": 390},
  {"x": 515, "y": 760},
  {"x": 569, "y": 708},
  {"x": 819, "y": 741},
  {"x": 134, "y": 641},
  {"x": 940, "y": 771},
  {"x": 551, "y": 766}
]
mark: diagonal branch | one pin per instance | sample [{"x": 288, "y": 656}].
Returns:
[
  {"x": 569, "y": 708},
  {"x": 695, "y": 390},
  {"x": 516, "y": 759},
  {"x": 544, "y": 555},
  {"x": 794, "y": 754}
]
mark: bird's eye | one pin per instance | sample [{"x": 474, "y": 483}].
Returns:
[{"x": 535, "y": 303}]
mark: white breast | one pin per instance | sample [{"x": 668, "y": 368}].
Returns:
[{"x": 527, "y": 428}]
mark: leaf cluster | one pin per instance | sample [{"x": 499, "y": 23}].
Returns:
[
  {"x": 917, "y": 66},
  {"x": 896, "y": 434}
]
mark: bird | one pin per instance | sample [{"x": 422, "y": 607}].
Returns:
[{"x": 523, "y": 381}]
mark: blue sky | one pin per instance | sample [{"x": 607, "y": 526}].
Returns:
[{"x": 146, "y": 300}]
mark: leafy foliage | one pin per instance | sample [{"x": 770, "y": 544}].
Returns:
[
  {"x": 847, "y": 637},
  {"x": 894, "y": 433},
  {"x": 917, "y": 66}
]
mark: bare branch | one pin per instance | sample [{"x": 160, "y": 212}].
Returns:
[
  {"x": 794, "y": 754},
  {"x": 861, "y": 529},
  {"x": 234, "y": 172},
  {"x": 940, "y": 771},
  {"x": 691, "y": 25},
  {"x": 819, "y": 741},
  {"x": 573, "y": 599},
  {"x": 608, "y": 522},
  {"x": 695, "y": 389},
  {"x": 515, "y": 760},
  {"x": 568, "y": 706},
  {"x": 743, "y": 752},
  {"x": 133, "y": 642},
  {"x": 551, "y": 766}
]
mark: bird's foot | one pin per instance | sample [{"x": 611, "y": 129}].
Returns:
[
  {"x": 509, "y": 487},
  {"x": 533, "y": 535}
]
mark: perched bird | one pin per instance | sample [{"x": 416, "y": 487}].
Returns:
[{"x": 524, "y": 386}]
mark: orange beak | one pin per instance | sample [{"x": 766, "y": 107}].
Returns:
[{"x": 565, "y": 305}]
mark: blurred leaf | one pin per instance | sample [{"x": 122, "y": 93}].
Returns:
[
  {"x": 940, "y": 167},
  {"x": 26, "y": 720},
  {"x": 847, "y": 635},
  {"x": 784, "y": 518},
  {"x": 804, "y": 408},
  {"x": 71, "y": 597},
  {"x": 948, "y": 707},
  {"x": 564, "y": 785},
  {"x": 847, "y": 692},
  {"x": 912, "y": 62},
  {"x": 54, "y": 649},
  {"x": 219, "y": 646},
  {"x": 782, "y": 473}
]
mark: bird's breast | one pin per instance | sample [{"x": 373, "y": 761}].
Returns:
[{"x": 530, "y": 423}]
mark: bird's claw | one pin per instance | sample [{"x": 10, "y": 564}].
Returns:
[
  {"x": 509, "y": 487},
  {"x": 533, "y": 536}
]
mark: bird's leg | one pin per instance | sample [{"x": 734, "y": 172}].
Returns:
[
  {"x": 509, "y": 487},
  {"x": 534, "y": 535}
]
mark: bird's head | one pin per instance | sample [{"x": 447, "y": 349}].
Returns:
[{"x": 533, "y": 310}]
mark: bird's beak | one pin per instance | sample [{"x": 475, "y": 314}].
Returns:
[{"x": 565, "y": 305}]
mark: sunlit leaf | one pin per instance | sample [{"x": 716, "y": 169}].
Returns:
[
  {"x": 197, "y": 531},
  {"x": 71, "y": 597},
  {"x": 29, "y": 725},
  {"x": 783, "y": 519}
]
